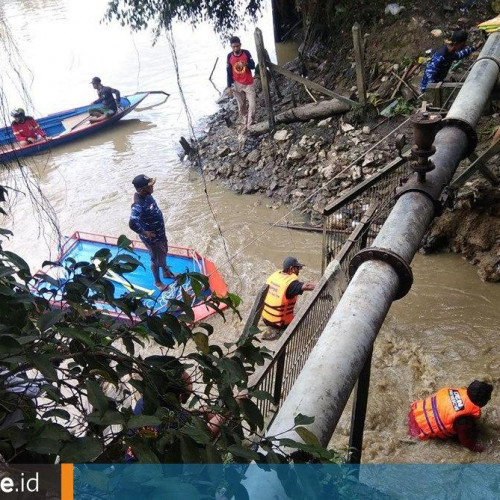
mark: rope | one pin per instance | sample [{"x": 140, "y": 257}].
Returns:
[{"x": 173, "y": 51}]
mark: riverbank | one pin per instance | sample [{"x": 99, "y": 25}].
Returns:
[{"x": 306, "y": 164}]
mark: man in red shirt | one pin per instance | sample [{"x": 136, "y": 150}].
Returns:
[
  {"x": 240, "y": 81},
  {"x": 26, "y": 129}
]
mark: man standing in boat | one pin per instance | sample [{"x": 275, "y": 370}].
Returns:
[
  {"x": 109, "y": 105},
  {"x": 146, "y": 219}
]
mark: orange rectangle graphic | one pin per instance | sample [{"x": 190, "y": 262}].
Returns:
[{"x": 66, "y": 481}]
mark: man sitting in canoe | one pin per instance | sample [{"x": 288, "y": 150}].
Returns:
[
  {"x": 109, "y": 106},
  {"x": 146, "y": 219},
  {"x": 25, "y": 128}
]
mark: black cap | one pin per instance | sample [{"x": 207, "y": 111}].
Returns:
[
  {"x": 291, "y": 262},
  {"x": 96, "y": 79},
  {"x": 479, "y": 392},
  {"x": 141, "y": 181},
  {"x": 459, "y": 36}
]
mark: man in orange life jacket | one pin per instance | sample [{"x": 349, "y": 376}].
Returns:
[
  {"x": 450, "y": 412},
  {"x": 284, "y": 289},
  {"x": 240, "y": 81}
]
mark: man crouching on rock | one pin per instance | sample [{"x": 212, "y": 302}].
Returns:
[
  {"x": 240, "y": 81},
  {"x": 146, "y": 219}
]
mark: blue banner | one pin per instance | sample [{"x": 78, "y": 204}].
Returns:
[{"x": 301, "y": 482}]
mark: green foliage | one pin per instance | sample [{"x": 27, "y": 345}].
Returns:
[
  {"x": 225, "y": 15},
  {"x": 86, "y": 368},
  {"x": 403, "y": 108}
]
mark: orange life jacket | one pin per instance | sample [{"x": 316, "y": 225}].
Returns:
[
  {"x": 436, "y": 414},
  {"x": 278, "y": 310}
]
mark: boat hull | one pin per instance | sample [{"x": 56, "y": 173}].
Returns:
[
  {"x": 63, "y": 127},
  {"x": 81, "y": 247}
]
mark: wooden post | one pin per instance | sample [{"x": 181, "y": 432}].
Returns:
[
  {"x": 360, "y": 63},
  {"x": 255, "y": 313},
  {"x": 358, "y": 416},
  {"x": 261, "y": 56},
  {"x": 185, "y": 145}
]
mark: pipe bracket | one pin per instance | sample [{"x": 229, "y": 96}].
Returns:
[
  {"x": 437, "y": 194},
  {"x": 489, "y": 57},
  {"x": 467, "y": 129},
  {"x": 402, "y": 269}
]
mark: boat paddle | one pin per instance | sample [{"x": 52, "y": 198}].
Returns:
[{"x": 79, "y": 123}]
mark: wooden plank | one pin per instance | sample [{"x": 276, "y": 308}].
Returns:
[
  {"x": 261, "y": 55},
  {"x": 75, "y": 121},
  {"x": 311, "y": 85},
  {"x": 479, "y": 164},
  {"x": 256, "y": 311}
]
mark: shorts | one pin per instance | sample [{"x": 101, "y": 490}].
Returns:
[
  {"x": 102, "y": 111},
  {"x": 158, "y": 252}
]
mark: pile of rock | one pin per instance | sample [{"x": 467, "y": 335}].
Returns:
[{"x": 304, "y": 162}]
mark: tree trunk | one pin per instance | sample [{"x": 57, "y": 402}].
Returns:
[{"x": 317, "y": 110}]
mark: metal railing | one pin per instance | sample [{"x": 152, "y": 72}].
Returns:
[
  {"x": 343, "y": 216},
  {"x": 351, "y": 223}
]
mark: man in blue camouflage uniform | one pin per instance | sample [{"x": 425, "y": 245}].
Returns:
[
  {"x": 146, "y": 220},
  {"x": 439, "y": 65}
]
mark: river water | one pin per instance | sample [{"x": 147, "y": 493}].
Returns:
[{"x": 443, "y": 333}]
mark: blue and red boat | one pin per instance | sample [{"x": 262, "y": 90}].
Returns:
[
  {"x": 66, "y": 126},
  {"x": 81, "y": 247}
]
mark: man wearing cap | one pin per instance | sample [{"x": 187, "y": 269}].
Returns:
[
  {"x": 146, "y": 220},
  {"x": 284, "y": 289},
  {"x": 109, "y": 106},
  {"x": 439, "y": 65}
]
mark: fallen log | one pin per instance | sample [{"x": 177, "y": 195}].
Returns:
[{"x": 316, "y": 110}]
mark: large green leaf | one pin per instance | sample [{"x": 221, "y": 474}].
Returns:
[
  {"x": 17, "y": 261},
  {"x": 44, "y": 446},
  {"x": 143, "y": 452},
  {"x": 96, "y": 397},
  {"x": 9, "y": 345},
  {"x": 137, "y": 421},
  {"x": 303, "y": 420},
  {"x": 242, "y": 452},
  {"x": 109, "y": 418},
  {"x": 252, "y": 412},
  {"x": 78, "y": 334},
  {"x": 307, "y": 436},
  {"x": 190, "y": 452},
  {"x": 198, "y": 431},
  {"x": 63, "y": 414},
  {"x": 49, "y": 319},
  {"x": 201, "y": 341},
  {"x": 81, "y": 450},
  {"x": 123, "y": 242},
  {"x": 43, "y": 364}
]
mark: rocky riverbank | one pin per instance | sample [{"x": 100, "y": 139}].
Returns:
[{"x": 306, "y": 164}]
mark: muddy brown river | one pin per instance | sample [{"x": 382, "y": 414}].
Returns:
[{"x": 444, "y": 332}]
